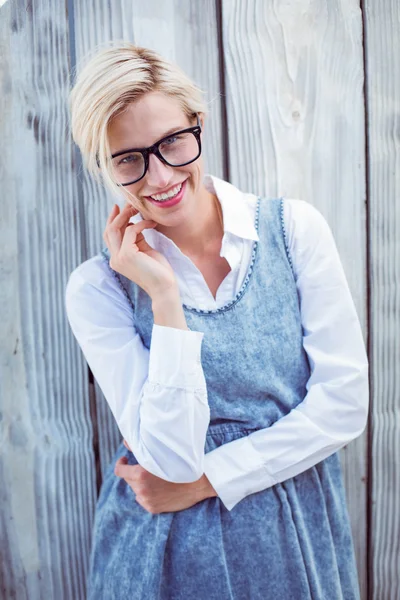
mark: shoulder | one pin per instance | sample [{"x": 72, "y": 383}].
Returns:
[
  {"x": 308, "y": 235},
  {"x": 302, "y": 219},
  {"x": 93, "y": 273},
  {"x": 305, "y": 225},
  {"x": 92, "y": 285}
]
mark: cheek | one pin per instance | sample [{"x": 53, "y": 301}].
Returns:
[
  {"x": 133, "y": 199},
  {"x": 199, "y": 168},
  {"x": 196, "y": 174}
]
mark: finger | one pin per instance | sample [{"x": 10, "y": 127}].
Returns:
[
  {"x": 127, "y": 446},
  {"x": 111, "y": 216},
  {"x": 133, "y": 234},
  {"x": 121, "y": 462},
  {"x": 123, "y": 217},
  {"x": 113, "y": 213},
  {"x": 134, "y": 210},
  {"x": 122, "y": 469},
  {"x": 118, "y": 218},
  {"x": 116, "y": 228},
  {"x": 114, "y": 240}
]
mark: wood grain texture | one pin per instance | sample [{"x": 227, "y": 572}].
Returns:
[
  {"x": 294, "y": 93},
  {"x": 47, "y": 489},
  {"x": 382, "y": 23},
  {"x": 296, "y": 122},
  {"x": 183, "y": 32}
]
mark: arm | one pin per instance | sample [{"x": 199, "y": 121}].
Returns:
[
  {"x": 334, "y": 410},
  {"x": 161, "y": 411}
]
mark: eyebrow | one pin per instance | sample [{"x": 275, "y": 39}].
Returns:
[{"x": 166, "y": 134}]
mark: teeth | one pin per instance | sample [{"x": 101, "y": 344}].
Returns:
[{"x": 171, "y": 194}]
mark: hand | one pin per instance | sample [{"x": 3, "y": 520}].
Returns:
[
  {"x": 132, "y": 256},
  {"x": 157, "y": 495}
]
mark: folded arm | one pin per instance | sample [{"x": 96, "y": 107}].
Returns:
[
  {"x": 158, "y": 397},
  {"x": 334, "y": 410}
]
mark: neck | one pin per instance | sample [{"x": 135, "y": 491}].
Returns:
[{"x": 202, "y": 233}]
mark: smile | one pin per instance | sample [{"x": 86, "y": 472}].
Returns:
[
  {"x": 167, "y": 195},
  {"x": 169, "y": 198}
]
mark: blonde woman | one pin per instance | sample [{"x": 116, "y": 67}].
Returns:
[{"x": 222, "y": 332}]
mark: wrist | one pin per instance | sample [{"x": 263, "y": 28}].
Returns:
[
  {"x": 168, "y": 311},
  {"x": 169, "y": 295},
  {"x": 203, "y": 488}
]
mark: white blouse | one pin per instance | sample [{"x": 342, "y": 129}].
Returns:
[{"x": 159, "y": 396}]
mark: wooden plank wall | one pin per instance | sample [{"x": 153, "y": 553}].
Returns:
[
  {"x": 382, "y": 43},
  {"x": 46, "y": 465},
  {"x": 289, "y": 115},
  {"x": 294, "y": 95}
]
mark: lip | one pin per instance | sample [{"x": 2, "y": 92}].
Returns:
[{"x": 171, "y": 202}]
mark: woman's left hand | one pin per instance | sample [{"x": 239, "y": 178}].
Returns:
[{"x": 157, "y": 495}]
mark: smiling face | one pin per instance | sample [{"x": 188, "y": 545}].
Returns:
[{"x": 143, "y": 123}]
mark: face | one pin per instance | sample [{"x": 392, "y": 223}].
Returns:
[{"x": 143, "y": 123}]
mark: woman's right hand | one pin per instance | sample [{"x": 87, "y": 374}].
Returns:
[{"x": 132, "y": 256}]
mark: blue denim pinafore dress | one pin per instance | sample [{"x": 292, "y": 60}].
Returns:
[{"x": 291, "y": 541}]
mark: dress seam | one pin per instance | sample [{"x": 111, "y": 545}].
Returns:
[
  {"x": 285, "y": 239},
  {"x": 116, "y": 276}
]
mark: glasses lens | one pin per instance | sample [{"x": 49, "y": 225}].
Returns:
[
  {"x": 128, "y": 167},
  {"x": 179, "y": 148}
]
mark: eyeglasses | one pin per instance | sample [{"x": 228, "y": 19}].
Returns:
[{"x": 176, "y": 150}]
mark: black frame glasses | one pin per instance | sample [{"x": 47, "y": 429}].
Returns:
[{"x": 154, "y": 149}]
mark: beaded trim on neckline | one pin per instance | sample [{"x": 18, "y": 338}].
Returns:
[
  {"x": 199, "y": 311},
  {"x": 229, "y": 305}
]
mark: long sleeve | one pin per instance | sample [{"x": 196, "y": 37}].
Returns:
[
  {"x": 158, "y": 397},
  {"x": 335, "y": 408}
]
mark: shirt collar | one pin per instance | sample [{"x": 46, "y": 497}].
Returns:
[
  {"x": 236, "y": 214},
  {"x": 237, "y": 218}
]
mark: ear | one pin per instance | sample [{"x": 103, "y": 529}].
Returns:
[{"x": 202, "y": 120}]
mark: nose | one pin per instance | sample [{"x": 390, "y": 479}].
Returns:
[{"x": 159, "y": 175}]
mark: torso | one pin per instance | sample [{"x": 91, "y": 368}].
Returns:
[
  {"x": 214, "y": 271},
  {"x": 213, "y": 267}
]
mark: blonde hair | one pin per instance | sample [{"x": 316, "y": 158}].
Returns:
[{"x": 110, "y": 80}]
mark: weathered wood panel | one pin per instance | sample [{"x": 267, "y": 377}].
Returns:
[
  {"x": 382, "y": 21},
  {"x": 294, "y": 72},
  {"x": 294, "y": 93},
  {"x": 181, "y": 31},
  {"x": 47, "y": 488}
]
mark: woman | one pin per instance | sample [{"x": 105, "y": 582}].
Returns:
[{"x": 222, "y": 332}]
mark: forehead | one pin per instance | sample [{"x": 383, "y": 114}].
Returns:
[{"x": 145, "y": 121}]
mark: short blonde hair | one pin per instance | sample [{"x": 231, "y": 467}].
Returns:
[{"x": 111, "y": 79}]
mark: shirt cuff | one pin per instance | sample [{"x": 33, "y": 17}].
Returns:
[
  {"x": 175, "y": 357},
  {"x": 235, "y": 470}
]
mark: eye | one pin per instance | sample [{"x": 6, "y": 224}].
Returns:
[
  {"x": 170, "y": 140},
  {"x": 128, "y": 159}
]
